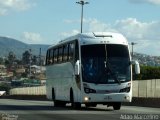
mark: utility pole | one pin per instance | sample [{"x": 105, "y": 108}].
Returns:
[
  {"x": 40, "y": 57},
  {"x": 82, "y": 3},
  {"x": 30, "y": 60},
  {"x": 133, "y": 43},
  {"x": 40, "y": 61}
]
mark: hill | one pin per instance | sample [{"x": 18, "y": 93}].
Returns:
[{"x": 18, "y": 47}]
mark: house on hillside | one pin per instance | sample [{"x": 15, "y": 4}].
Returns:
[
  {"x": 3, "y": 70},
  {"x": 2, "y": 93},
  {"x": 37, "y": 69},
  {"x": 20, "y": 71}
]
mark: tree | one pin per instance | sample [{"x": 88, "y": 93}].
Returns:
[
  {"x": 34, "y": 60},
  {"x": 147, "y": 72},
  {"x": 11, "y": 57},
  {"x": 1, "y": 60},
  {"x": 5, "y": 87},
  {"x": 26, "y": 57},
  {"x": 9, "y": 62}
]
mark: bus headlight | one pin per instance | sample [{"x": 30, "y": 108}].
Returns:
[
  {"x": 86, "y": 99},
  {"x": 88, "y": 90},
  {"x": 127, "y": 89}
]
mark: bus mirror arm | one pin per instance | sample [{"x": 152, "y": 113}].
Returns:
[
  {"x": 77, "y": 67},
  {"x": 137, "y": 66}
]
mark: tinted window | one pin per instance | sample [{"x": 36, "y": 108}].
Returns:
[
  {"x": 105, "y": 64},
  {"x": 55, "y": 55},
  {"x": 65, "y": 52},
  {"x": 71, "y": 51},
  {"x": 60, "y": 53}
]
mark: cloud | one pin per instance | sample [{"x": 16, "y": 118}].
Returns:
[
  {"x": 153, "y": 2},
  {"x": 146, "y": 34},
  {"x": 98, "y": 26},
  {"x": 71, "y": 21},
  {"x": 90, "y": 24},
  {"x": 67, "y": 34},
  {"x": 14, "y": 5},
  {"x": 135, "y": 29},
  {"x": 3, "y": 11},
  {"x": 63, "y": 35},
  {"x": 32, "y": 38}
]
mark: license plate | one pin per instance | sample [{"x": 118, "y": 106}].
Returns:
[{"x": 108, "y": 98}]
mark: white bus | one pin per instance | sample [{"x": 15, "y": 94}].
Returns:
[{"x": 90, "y": 69}]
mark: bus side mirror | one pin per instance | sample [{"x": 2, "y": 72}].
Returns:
[
  {"x": 137, "y": 67},
  {"x": 77, "y": 67}
]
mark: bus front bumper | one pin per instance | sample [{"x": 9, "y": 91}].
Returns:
[{"x": 114, "y": 97}]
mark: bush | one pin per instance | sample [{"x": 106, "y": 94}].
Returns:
[
  {"x": 5, "y": 87},
  {"x": 147, "y": 72}
]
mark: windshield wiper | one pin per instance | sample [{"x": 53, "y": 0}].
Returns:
[
  {"x": 107, "y": 65},
  {"x": 113, "y": 74}
]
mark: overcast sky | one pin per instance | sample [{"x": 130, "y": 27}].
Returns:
[{"x": 48, "y": 21}]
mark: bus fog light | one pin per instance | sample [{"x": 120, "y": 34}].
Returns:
[
  {"x": 127, "y": 97},
  {"x": 86, "y": 98}
]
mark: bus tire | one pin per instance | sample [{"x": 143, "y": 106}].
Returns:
[
  {"x": 54, "y": 98},
  {"x": 117, "y": 106},
  {"x": 75, "y": 105},
  {"x": 53, "y": 94}
]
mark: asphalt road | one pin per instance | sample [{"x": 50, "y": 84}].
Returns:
[{"x": 44, "y": 110}]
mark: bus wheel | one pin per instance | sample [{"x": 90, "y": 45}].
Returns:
[
  {"x": 117, "y": 106},
  {"x": 53, "y": 98},
  {"x": 53, "y": 94},
  {"x": 75, "y": 105},
  {"x": 59, "y": 103}
]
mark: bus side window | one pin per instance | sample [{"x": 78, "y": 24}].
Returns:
[
  {"x": 55, "y": 55},
  {"x": 51, "y": 56},
  {"x": 71, "y": 51},
  {"x": 47, "y": 58},
  {"x": 60, "y": 51},
  {"x": 76, "y": 51},
  {"x": 65, "y": 53}
]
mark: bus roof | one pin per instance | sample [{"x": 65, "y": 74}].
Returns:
[{"x": 111, "y": 37}]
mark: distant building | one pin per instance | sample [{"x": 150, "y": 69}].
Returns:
[
  {"x": 147, "y": 60},
  {"x": 3, "y": 70},
  {"x": 37, "y": 69},
  {"x": 2, "y": 93}
]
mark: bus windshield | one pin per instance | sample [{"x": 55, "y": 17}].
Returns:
[{"x": 105, "y": 64}]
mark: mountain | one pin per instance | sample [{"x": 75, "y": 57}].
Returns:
[{"x": 18, "y": 47}]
